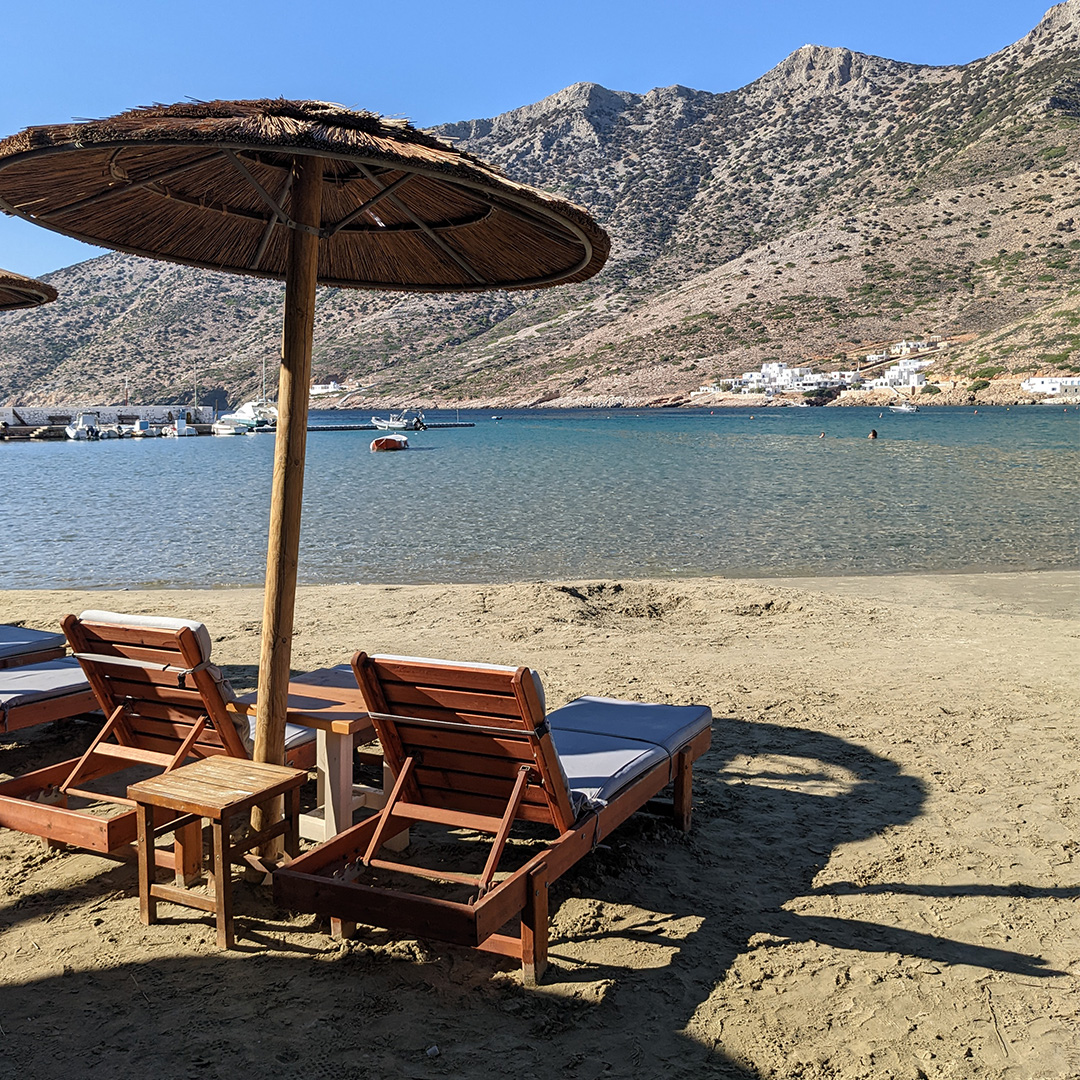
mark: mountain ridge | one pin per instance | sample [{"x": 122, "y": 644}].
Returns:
[{"x": 837, "y": 199}]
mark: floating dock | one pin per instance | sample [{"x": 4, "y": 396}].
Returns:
[{"x": 371, "y": 427}]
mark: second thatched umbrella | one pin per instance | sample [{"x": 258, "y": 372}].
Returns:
[
  {"x": 312, "y": 193},
  {"x": 18, "y": 292}
]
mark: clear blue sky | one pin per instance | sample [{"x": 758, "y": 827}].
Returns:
[{"x": 434, "y": 61}]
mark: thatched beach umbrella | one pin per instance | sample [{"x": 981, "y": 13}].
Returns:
[
  {"x": 312, "y": 193},
  {"x": 17, "y": 292}
]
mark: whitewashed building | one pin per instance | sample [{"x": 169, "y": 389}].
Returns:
[
  {"x": 906, "y": 374},
  {"x": 1053, "y": 386}
]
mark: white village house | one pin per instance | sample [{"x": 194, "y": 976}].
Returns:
[{"x": 1053, "y": 386}]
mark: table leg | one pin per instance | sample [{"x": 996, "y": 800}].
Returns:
[
  {"x": 223, "y": 883},
  {"x": 334, "y": 761},
  {"x": 144, "y": 817},
  {"x": 187, "y": 849},
  {"x": 292, "y": 818}
]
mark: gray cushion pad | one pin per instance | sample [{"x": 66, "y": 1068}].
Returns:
[
  {"x": 666, "y": 726},
  {"x": 295, "y": 735},
  {"x": 598, "y": 766},
  {"x": 39, "y": 682},
  {"x": 17, "y": 640}
]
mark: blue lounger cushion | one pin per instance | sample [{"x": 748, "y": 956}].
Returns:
[
  {"x": 665, "y": 726},
  {"x": 18, "y": 640},
  {"x": 599, "y": 766},
  {"x": 295, "y": 735},
  {"x": 40, "y": 682}
]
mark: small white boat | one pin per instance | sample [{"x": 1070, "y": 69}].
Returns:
[
  {"x": 178, "y": 429},
  {"x": 143, "y": 429},
  {"x": 906, "y": 406},
  {"x": 85, "y": 428},
  {"x": 228, "y": 425},
  {"x": 249, "y": 418},
  {"x": 395, "y": 441},
  {"x": 401, "y": 421}
]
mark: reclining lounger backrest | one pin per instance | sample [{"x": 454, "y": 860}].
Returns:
[
  {"x": 469, "y": 728},
  {"x": 158, "y": 669}
]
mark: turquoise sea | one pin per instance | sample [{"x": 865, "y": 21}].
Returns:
[{"x": 562, "y": 494}]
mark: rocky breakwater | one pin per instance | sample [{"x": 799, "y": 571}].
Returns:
[{"x": 950, "y": 392}]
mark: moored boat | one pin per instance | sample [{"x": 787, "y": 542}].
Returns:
[
  {"x": 401, "y": 421},
  {"x": 249, "y": 418},
  {"x": 390, "y": 442},
  {"x": 84, "y": 428},
  {"x": 178, "y": 429}
]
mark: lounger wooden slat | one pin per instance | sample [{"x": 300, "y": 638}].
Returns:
[
  {"x": 432, "y": 738},
  {"x": 410, "y": 671},
  {"x": 478, "y": 764},
  {"x": 172, "y": 732},
  {"x": 140, "y": 642},
  {"x": 456, "y": 702},
  {"x": 475, "y": 783},
  {"x": 475, "y": 773},
  {"x": 448, "y": 716}
]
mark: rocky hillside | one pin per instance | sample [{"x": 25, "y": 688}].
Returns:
[{"x": 839, "y": 201}]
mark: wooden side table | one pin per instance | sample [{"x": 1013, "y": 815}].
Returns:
[{"x": 219, "y": 788}]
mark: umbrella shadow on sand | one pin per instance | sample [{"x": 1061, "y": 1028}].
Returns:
[{"x": 772, "y": 803}]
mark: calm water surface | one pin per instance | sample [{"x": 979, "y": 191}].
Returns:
[{"x": 542, "y": 495}]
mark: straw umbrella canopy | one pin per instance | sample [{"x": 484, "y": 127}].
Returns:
[
  {"x": 311, "y": 193},
  {"x": 17, "y": 292}
]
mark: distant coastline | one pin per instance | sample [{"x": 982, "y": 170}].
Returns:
[{"x": 1006, "y": 392}]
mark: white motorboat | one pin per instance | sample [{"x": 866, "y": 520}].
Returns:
[
  {"x": 249, "y": 418},
  {"x": 85, "y": 427},
  {"x": 227, "y": 425},
  {"x": 142, "y": 429},
  {"x": 178, "y": 429},
  {"x": 905, "y": 406},
  {"x": 401, "y": 421}
]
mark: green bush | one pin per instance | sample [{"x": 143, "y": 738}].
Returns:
[
  {"x": 979, "y": 384},
  {"x": 931, "y": 388}
]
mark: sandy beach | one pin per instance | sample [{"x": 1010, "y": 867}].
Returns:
[{"x": 881, "y": 881}]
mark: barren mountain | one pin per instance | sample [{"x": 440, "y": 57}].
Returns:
[{"x": 839, "y": 201}]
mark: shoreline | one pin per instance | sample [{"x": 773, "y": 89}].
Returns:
[
  {"x": 1004, "y": 580},
  {"x": 1003, "y": 395},
  {"x": 1052, "y": 580}
]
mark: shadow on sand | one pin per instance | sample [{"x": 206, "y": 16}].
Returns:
[{"x": 772, "y": 803}]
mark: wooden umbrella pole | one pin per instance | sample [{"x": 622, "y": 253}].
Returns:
[{"x": 288, "y": 483}]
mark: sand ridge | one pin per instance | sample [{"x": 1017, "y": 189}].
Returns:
[{"x": 881, "y": 880}]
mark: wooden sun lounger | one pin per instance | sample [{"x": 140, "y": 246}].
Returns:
[
  {"x": 164, "y": 703},
  {"x": 471, "y": 748},
  {"x": 19, "y": 646},
  {"x": 37, "y": 693}
]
